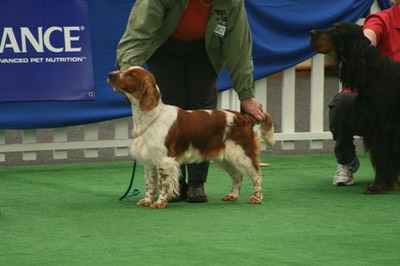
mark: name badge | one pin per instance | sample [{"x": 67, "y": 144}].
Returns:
[{"x": 220, "y": 29}]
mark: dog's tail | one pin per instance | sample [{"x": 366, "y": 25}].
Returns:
[{"x": 266, "y": 129}]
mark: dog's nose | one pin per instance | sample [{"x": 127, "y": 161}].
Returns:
[
  {"x": 313, "y": 32},
  {"x": 111, "y": 76}
]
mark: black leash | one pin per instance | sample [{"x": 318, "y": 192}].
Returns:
[{"x": 135, "y": 191}]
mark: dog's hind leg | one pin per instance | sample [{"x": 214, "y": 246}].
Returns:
[
  {"x": 236, "y": 180},
  {"x": 246, "y": 167},
  {"x": 150, "y": 176},
  {"x": 256, "y": 176},
  {"x": 236, "y": 183},
  {"x": 168, "y": 181}
]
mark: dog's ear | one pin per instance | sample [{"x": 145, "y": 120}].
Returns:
[
  {"x": 150, "y": 95},
  {"x": 353, "y": 68}
]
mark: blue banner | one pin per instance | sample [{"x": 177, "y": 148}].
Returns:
[
  {"x": 280, "y": 36},
  {"x": 45, "y": 51}
]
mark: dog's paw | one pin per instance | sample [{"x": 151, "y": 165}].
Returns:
[
  {"x": 255, "y": 200},
  {"x": 159, "y": 205},
  {"x": 229, "y": 197},
  {"x": 373, "y": 189},
  {"x": 144, "y": 203}
]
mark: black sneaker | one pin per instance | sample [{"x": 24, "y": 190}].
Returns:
[{"x": 196, "y": 194}]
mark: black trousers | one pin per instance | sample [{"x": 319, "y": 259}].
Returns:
[
  {"x": 342, "y": 126},
  {"x": 186, "y": 79}
]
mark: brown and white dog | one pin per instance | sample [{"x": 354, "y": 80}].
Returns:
[{"x": 165, "y": 136}]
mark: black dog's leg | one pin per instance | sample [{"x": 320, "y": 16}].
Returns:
[{"x": 385, "y": 176}]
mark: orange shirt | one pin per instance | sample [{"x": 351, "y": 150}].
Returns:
[{"x": 192, "y": 25}]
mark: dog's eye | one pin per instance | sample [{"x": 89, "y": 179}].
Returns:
[{"x": 337, "y": 27}]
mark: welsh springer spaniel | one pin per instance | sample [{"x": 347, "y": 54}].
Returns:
[{"x": 165, "y": 136}]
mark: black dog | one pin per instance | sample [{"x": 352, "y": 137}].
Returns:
[{"x": 376, "y": 113}]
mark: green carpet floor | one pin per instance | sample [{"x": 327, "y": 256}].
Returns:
[{"x": 70, "y": 215}]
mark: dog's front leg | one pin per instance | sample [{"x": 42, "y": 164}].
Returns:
[
  {"x": 383, "y": 172},
  {"x": 168, "y": 176},
  {"x": 150, "y": 176}
]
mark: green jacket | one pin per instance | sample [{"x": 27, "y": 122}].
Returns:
[{"x": 152, "y": 22}]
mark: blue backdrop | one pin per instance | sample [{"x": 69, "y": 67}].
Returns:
[
  {"x": 280, "y": 34},
  {"x": 45, "y": 51}
]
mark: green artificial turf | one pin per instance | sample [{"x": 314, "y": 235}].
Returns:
[{"x": 70, "y": 215}]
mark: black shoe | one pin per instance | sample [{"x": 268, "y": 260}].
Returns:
[
  {"x": 196, "y": 194},
  {"x": 182, "y": 193}
]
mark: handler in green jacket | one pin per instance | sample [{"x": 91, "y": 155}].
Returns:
[{"x": 185, "y": 44}]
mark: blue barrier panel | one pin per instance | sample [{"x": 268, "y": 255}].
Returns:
[{"x": 280, "y": 40}]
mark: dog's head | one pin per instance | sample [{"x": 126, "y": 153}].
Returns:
[
  {"x": 342, "y": 38},
  {"x": 349, "y": 44},
  {"x": 138, "y": 85}
]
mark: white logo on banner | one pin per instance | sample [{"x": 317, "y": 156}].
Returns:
[{"x": 40, "y": 41}]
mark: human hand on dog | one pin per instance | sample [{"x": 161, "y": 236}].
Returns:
[{"x": 253, "y": 107}]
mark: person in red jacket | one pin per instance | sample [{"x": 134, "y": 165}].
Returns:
[{"x": 383, "y": 30}]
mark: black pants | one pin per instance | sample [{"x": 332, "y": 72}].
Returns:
[
  {"x": 342, "y": 126},
  {"x": 186, "y": 79}
]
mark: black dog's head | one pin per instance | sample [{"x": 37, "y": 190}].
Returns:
[
  {"x": 348, "y": 42},
  {"x": 341, "y": 38}
]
